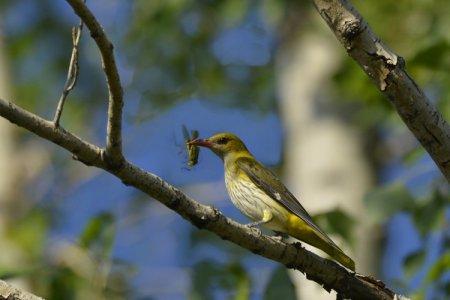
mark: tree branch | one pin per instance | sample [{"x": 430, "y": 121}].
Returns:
[
  {"x": 8, "y": 292},
  {"x": 323, "y": 271},
  {"x": 115, "y": 102},
  {"x": 327, "y": 273},
  {"x": 72, "y": 72},
  {"x": 387, "y": 71}
]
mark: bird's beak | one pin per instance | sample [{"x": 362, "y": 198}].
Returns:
[{"x": 201, "y": 143}]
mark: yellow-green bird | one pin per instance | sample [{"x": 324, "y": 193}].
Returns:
[{"x": 261, "y": 196}]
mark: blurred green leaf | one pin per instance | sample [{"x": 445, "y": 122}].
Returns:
[
  {"x": 64, "y": 284},
  {"x": 413, "y": 262},
  {"x": 441, "y": 266},
  {"x": 279, "y": 286},
  {"x": 237, "y": 280},
  {"x": 430, "y": 215},
  {"x": 434, "y": 56},
  {"x": 413, "y": 156},
  {"x": 233, "y": 11},
  {"x": 31, "y": 231},
  {"x": 210, "y": 276},
  {"x": 98, "y": 235},
  {"x": 337, "y": 222},
  {"x": 8, "y": 273},
  {"x": 203, "y": 277},
  {"x": 386, "y": 201}
]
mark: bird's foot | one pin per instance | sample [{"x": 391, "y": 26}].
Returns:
[{"x": 254, "y": 224}]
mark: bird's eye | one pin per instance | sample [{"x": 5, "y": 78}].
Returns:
[{"x": 222, "y": 141}]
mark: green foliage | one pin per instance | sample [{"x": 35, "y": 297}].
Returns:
[
  {"x": 210, "y": 277},
  {"x": 413, "y": 262},
  {"x": 429, "y": 214},
  {"x": 64, "y": 284},
  {"x": 31, "y": 231},
  {"x": 412, "y": 156},
  {"x": 98, "y": 235},
  {"x": 435, "y": 56},
  {"x": 337, "y": 222},
  {"x": 279, "y": 286},
  {"x": 434, "y": 277},
  {"x": 420, "y": 36},
  {"x": 39, "y": 69},
  {"x": 87, "y": 270},
  {"x": 441, "y": 266},
  {"x": 175, "y": 59},
  {"x": 384, "y": 202},
  {"x": 9, "y": 273}
]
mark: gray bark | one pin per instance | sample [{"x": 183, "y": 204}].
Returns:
[
  {"x": 387, "y": 70},
  {"x": 8, "y": 292}
]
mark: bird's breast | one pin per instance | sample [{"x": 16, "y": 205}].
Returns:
[{"x": 252, "y": 201}]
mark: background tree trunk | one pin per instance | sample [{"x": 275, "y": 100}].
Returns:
[
  {"x": 324, "y": 163},
  {"x": 11, "y": 256}
]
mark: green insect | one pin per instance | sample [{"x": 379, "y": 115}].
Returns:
[{"x": 192, "y": 151}]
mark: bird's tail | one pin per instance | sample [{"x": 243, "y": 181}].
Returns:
[
  {"x": 330, "y": 248},
  {"x": 321, "y": 241},
  {"x": 342, "y": 258}
]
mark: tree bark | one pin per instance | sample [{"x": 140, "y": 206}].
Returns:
[
  {"x": 115, "y": 102},
  {"x": 8, "y": 292},
  {"x": 387, "y": 70}
]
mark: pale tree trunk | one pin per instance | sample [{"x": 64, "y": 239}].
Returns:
[
  {"x": 10, "y": 177},
  {"x": 324, "y": 164}
]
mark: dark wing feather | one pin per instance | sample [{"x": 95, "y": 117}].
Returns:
[{"x": 274, "y": 188}]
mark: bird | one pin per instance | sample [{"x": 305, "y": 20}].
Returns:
[{"x": 261, "y": 196}]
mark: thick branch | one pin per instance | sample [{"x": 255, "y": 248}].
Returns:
[
  {"x": 114, "y": 134},
  {"x": 387, "y": 71},
  {"x": 8, "y": 292},
  {"x": 325, "y": 272}
]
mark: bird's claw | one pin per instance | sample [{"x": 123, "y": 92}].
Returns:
[
  {"x": 253, "y": 224},
  {"x": 279, "y": 236}
]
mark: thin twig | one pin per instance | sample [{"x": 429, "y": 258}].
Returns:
[
  {"x": 115, "y": 103},
  {"x": 72, "y": 72}
]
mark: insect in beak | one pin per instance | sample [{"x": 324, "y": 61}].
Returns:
[{"x": 192, "y": 149}]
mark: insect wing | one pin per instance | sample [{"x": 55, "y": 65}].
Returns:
[{"x": 185, "y": 133}]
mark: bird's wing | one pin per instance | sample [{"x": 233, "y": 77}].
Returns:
[{"x": 274, "y": 188}]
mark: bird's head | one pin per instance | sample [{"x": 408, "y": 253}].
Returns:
[{"x": 222, "y": 144}]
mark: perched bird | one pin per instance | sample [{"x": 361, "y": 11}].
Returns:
[{"x": 261, "y": 196}]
